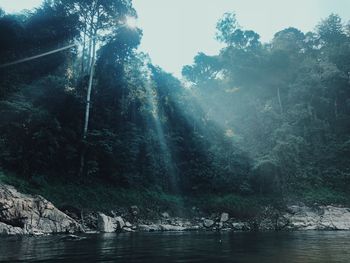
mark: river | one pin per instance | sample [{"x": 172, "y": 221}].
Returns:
[{"x": 284, "y": 247}]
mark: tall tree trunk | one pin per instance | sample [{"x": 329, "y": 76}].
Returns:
[
  {"x": 89, "y": 52},
  {"x": 91, "y": 36},
  {"x": 92, "y": 33},
  {"x": 83, "y": 55},
  {"x": 88, "y": 96},
  {"x": 87, "y": 110}
]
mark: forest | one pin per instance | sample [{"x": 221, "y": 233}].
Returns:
[{"x": 98, "y": 124}]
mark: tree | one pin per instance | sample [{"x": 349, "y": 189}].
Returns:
[
  {"x": 230, "y": 33},
  {"x": 226, "y": 27},
  {"x": 48, "y": 28},
  {"x": 290, "y": 40},
  {"x": 205, "y": 69},
  {"x": 331, "y": 30},
  {"x": 97, "y": 17}
]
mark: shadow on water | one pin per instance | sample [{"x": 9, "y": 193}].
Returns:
[{"x": 294, "y": 247}]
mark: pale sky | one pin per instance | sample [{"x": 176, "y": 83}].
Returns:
[{"x": 176, "y": 30}]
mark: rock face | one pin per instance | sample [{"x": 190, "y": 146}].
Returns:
[
  {"x": 335, "y": 218},
  {"x": 320, "y": 218},
  {"x": 26, "y": 214}
]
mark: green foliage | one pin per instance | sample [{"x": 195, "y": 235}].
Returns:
[
  {"x": 231, "y": 34},
  {"x": 96, "y": 195},
  {"x": 226, "y": 27},
  {"x": 266, "y": 177},
  {"x": 47, "y": 28},
  {"x": 286, "y": 102},
  {"x": 331, "y": 30},
  {"x": 323, "y": 196},
  {"x": 258, "y": 121}
]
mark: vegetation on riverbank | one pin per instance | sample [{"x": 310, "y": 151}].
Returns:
[
  {"x": 98, "y": 196},
  {"x": 257, "y": 124}
]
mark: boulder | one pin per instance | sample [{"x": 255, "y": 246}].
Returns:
[
  {"x": 208, "y": 223},
  {"x": 128, "y": 224},
  {"x": 107, "y": 224},
  {"x": 165, "y": 215},
  {"x": 220, "y": 225},
  {"x": 27, "y": 214},
  {"x": 239, "y": 226},
  {"x": 224, "y": 217}
]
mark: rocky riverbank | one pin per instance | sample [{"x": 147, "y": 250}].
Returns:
[
  {"x": 26, "y": 214},
  {"x": 22, "y": 214}
]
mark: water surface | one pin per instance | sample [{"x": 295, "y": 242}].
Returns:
[{"x": 294, "y": 247}]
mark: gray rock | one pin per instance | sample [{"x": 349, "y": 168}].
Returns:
[
  {"x": 10, "y": 230},
  {"x": 109, "y": 224},
  {"x": 128, "y": 224},
  {"x": 165, "y": 215},
  {"x": 105, "y": 224},
  {"x": 27, "y": 214},
  {"x": 224, "y": 217},
  {"x": 149, "y": 228},
  {"x": 208, "y": 223},
  {"x": 336, "y": 218},
  {"x": 320, "y": 218},
  {"x": 239, "y": 226}
]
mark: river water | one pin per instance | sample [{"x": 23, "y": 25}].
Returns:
[{"x": 284, "y": 247}]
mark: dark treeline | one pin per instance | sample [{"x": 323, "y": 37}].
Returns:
[{"x": 256, "y": 120}]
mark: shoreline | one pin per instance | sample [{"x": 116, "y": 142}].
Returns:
[{"x": 23, "y": 214}]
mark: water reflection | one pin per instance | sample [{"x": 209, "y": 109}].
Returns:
[{"x": 297, "y": 247}]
